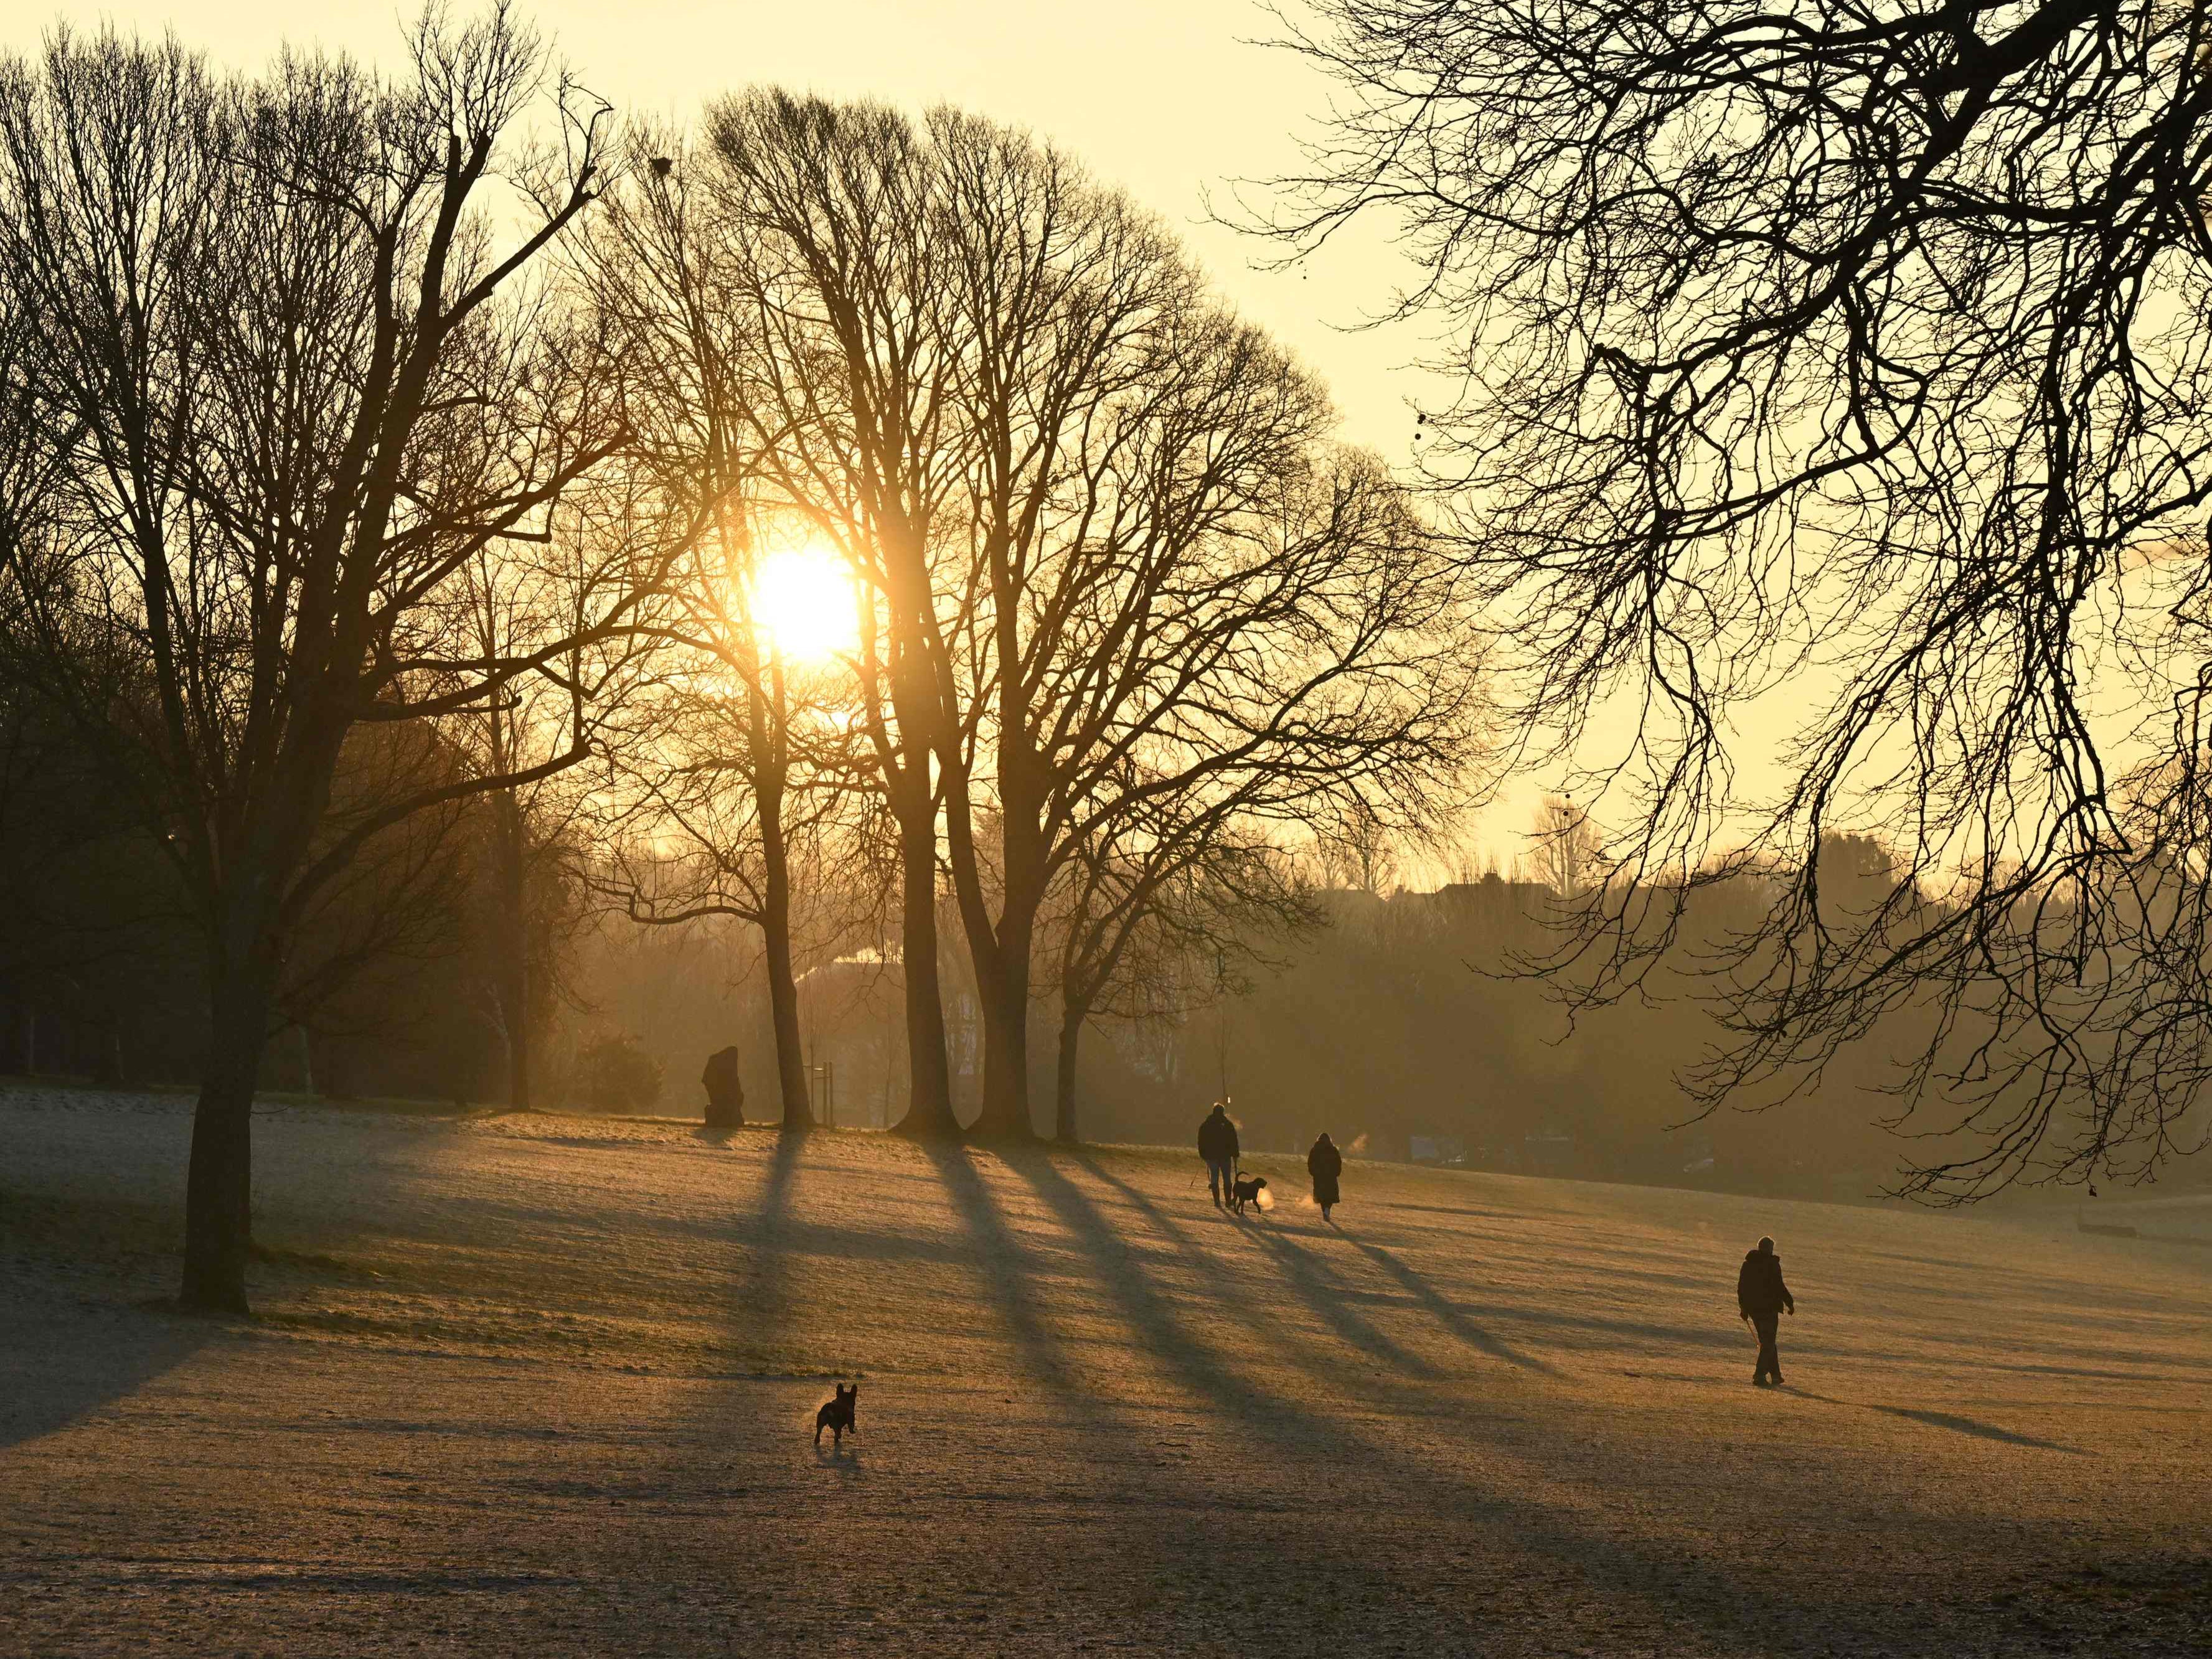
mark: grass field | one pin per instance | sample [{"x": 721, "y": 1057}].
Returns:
[{"x": 544, "y": 1385}]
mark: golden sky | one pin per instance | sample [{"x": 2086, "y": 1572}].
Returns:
[{"x": 1174, "y": 100}]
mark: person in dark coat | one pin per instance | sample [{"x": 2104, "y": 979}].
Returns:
[
  {"x": 1325, "y": 1163},
  {"x": 1217, "y": 1145},
  {"x": 1761, "y": 1297}
]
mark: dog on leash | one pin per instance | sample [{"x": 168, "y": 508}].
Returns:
[
  {"x": 1246, "y": 1189},
  {"x": 836, "y": 1416}
]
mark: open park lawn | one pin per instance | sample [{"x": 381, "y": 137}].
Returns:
[{"x": 545, "y": 1385}]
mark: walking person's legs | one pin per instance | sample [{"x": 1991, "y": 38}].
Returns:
[
  {"x": 1216, "y": 1179},
  {"x": 1770, "y": 1360}
]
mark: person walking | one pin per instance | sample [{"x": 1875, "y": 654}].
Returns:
[
  {"x": 1325, "y": 1164},
  {"x": 1761, "y": 1297},
  {"x": 1217, "y": 1145}
]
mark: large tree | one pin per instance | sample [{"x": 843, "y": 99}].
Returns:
[
  {"x": 1156, "y": 903},
  {"x": 824, "y": 377},
  {"x": 294, "y": 378},
  {"x": 1841, "y": 371},
  {"x": 750, "y": 767},
  {"x": 536, "y": 821},
  {"x": 1101, "y": 527}
]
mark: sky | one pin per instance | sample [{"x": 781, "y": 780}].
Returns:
[{"x": 1174, "y": 100}]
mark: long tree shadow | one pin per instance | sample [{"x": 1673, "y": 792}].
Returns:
[
  {"x": 1956, "y": 1424},
  {"x": 1326, "y": 1299},
  {"x": 1196, "y": 1528},
  {"x": 82, "y": 1365},
  {"x": 1011, "y": 1288},
  {"x": 1209, "y": 1524},
  {"x": 1472, "y": 1335},
  {"x": 1696, "y": 1593},
  {"x": 1230, "y": 1306},
  {"x": 763, "y": 1297}
]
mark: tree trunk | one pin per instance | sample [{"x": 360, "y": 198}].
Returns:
[
  {"x": 913, "y": 801},
  {"x": 929, "y": 1103},
  {"x": 219, "y": 1186},
  {"x": 1004, "y": 992},
  {"x": 108, "y": 1050},
  {"x": 782, "y": 986},
  {"x": 1001, "y": 950},
  {"x": 1067, "y": 1128},
  {"x": 518, "y": 1071},
  {"x": 514, "y": 932}
]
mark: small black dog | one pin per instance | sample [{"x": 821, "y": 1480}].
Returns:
[
  {"x": 836, "y": 1416},
  {"x": 1243, "y": 1191}
]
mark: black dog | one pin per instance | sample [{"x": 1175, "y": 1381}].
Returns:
[
  {"x": 1243, "y": 1191},
  {"x": 836, "y": 1416}
]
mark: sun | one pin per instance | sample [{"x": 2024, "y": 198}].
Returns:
[{"x": 802, "y": 603}]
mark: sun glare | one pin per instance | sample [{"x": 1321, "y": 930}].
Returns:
[{"x": 802, "y": 603}]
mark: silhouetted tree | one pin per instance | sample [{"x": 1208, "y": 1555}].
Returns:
[
  {"x": 814, "y": 221},
  {"x": 760, "y": 764},
  {"x": 1151, "y": 909},
  {"x": 1565, "y": 849},
  {"x": 1106, "y": 543},
  {"x": 292, "y": 383},
  {"x": 1853, "y": 360},
  {"x": 534, "y": 830}
]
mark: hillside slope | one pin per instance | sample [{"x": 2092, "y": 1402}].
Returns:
[{"x": 529, "y": 1383}]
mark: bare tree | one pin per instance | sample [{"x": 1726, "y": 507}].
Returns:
[
  {"x": 755, "y": 768},
  {"x": 295, "y": 385},
  {"x": 1181, "y": 588},
  {"x": 1147, "y": 897},
  {"x": 748, "y": 799},
  {"x": 1357, "y": 847},
  {"x": 538, "y": 819},
  {"x": 835, "y": 404},
  {"x": 1849, "y": 362},
  {"x": 1097, "y": 526}
]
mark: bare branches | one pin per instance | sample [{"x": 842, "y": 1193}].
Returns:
[
  {"x": 302, "y": 387},
  {"x": 1852, "y": 360}
]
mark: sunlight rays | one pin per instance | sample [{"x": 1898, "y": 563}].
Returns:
[{"x": 801, "y": 600}]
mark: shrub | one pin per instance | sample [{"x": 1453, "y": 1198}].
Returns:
[{"x": 616, "y": 1075}]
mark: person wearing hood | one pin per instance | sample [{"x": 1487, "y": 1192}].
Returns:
[
  {"x": 1325, "y": 1164},
  {"x": 1761, "y": 1297},
  {"x": 1217, "y": 1145}
]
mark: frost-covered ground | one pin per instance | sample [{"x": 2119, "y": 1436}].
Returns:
[{"x": 543, "y": 1386}]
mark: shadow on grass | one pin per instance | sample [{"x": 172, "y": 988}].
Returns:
[
  {"x": 1325, "y": 1297},
  {"x": 1948, "y": 1420},
  {"x": 1694, "y": 1593},
  {"x": 1472, "y": 1335},
  {"x": 51, "y": 1376},
  {"x": 1200, "y": 1521},
  {"x": 763, "y": 1298},
  {"x": 1011, "y": 1287}
]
